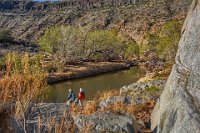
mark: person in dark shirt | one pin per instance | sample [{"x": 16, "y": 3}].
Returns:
[{"x": 71, "y": 97}]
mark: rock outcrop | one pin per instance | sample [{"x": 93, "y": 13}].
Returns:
[
  {"x": 49, "y": 117},
  {"x": 144, "y": 91},
  {"x": 52, "y": 117},
  {"x": 110, "y": 100},
  {"x": 106, "y": 121},
  {"x": 178, "y": 110}
]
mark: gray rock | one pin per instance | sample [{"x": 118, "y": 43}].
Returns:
[
  {"x": 44, "y": 117},
  {"x": 15, "y": 126},
  {"x": 142, "y": 86},
  {"x": 140, "y": 93},
  {"x": 108, "y": 101},
  {"x": 106, "y": 121},
  {"x": 179, "y": 106}
]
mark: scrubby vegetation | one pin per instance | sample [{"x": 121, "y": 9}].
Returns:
[
  {"x": 140, "y": 111},
  {"x": 22, "y": 84},
  {"x": 163, "y": 44},
  {"x": 5, "y": 35},
  {"x": 132, "y": 50},
  {"x": 71, "y": 44},
  {"x": 152, "y": 89}
]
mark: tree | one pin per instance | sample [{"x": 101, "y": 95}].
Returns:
[
  {"x": 103, "y": 44},
  {"x": 64, "y": 42}
]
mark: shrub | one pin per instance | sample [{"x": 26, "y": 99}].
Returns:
[
  {"x": 2, "y": 61},
  {"x": 5, "y": 35},
  {"x": 170, "y": 35},
  {"x": 132, "y": 50},
  {"x": 164, "y": 43},
  {"x": 152, "y": 89},
  {"x": 23, "y": 83}
]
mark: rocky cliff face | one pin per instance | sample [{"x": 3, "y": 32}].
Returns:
[
  {"x": 29, "y": 5},
  {"x": 133, "y": 18},
  {"x": 179, "y": 106}
]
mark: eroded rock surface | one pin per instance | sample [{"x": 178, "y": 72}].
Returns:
[
  {"x": 179, "y": 107},
  {"x": 141, "y": 92},
  {"x": 142, "y": 86},
  {"x": 47, "y": 117},
  {"x": 107, "y": 122},
  {"x": 110, "y": 100}
]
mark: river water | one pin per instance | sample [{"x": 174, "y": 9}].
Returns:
[{"x": 113, "y": 80}]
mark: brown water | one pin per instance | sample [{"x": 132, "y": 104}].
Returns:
[{"x": 91, "y": 85}]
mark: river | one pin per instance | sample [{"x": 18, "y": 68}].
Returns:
[{"x": 107, "y": 81}]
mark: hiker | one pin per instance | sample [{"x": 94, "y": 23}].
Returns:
[
  {"x": 81, "y": 96},
  {"x": 71, "y": 97}
]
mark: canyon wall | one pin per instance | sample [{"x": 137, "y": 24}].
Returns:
[{"x": 178, "y": 110}]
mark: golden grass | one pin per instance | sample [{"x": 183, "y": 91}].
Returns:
[
  {"x": 106, "y": 94},
  {"x": 140, "y": 111},
  {"x": 23, "y": 82}
]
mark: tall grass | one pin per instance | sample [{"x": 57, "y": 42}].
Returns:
[{"x": 23, "y": 83}]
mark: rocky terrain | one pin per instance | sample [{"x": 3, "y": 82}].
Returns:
[
  {"x": 45, "y": 117},
  {"x": 178, "y": 108},
  {"x": 18, "y": 46},
  {"x": 133, "y": 18}
]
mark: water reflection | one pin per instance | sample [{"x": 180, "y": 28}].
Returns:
[{"x": 91, "y": 85}]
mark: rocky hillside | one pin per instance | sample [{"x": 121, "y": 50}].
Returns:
[
  {"x": 133, "y": 18},
  {"x": 179, "y": 106}
]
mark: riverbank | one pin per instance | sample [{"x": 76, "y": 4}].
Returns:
[
  {"x": 86, "y": 69},
  {"x": 132, "y": 106}
]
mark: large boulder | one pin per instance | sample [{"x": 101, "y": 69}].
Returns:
[
  {"x": 178, "y": 110},
  {"x": 106, "y": 122},
  {"x": 49, "y": 117}
]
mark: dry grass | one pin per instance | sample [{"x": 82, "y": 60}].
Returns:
[
  {"x": 23, "y": 82},
  {"x": 140, "y": 111},
  {"x": 56, "y": 126},
  {"x": 106, "y": 94}
]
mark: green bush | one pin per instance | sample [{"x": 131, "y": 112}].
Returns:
[
  {"x": 169, "y": 37},
  {"x": 164, "y": 43},
  {"x": 5, "y": 35},
  {"x": 152, "y": 89},
  {"x": 2, "y": 61},
  {"x": 132, "y": 50}
]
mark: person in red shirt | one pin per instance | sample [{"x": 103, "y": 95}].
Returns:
[{"x": 81, "y": 96}]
